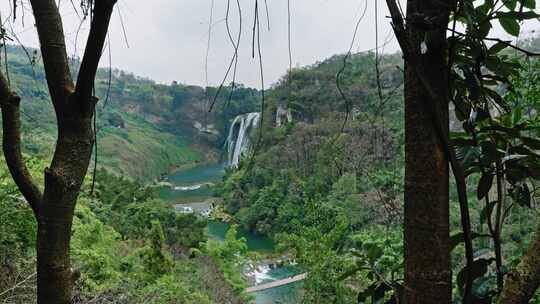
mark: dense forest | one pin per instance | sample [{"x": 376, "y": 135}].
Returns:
[
  {"x": 366, "y": 177},
  {"x": 332, "y": 200}
]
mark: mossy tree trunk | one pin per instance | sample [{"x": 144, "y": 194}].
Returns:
[
  {"x": 521, "y": 283},
  {"x": 74, "y": 106}
]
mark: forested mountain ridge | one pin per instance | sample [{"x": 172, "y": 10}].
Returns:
[
  {"x": 156, "y": 126},
  {"x": 328, "y": 185},
  {"x": 299, "y": 150}
]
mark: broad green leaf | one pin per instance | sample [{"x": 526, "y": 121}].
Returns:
[
  {"x": 486, "y": 181},
  {"x": 478, "y": 269},
  {"x": 529, "y": 3},
  {"x": 516, "y": 115},
  {"x": 378, "y": 295},
  {"x": 487, "y": 211},
  {"x": 511, "y": 26},
  {"x": 497, "y": 47},
  {"x": 484, "y": 29},
  {"x": 522, "y": 195},
  {"x": 458, "y": 238},
  {"x": 510, "y": 4},
  {"x": 519, "y": 16},
  {"x": 533, "y": 143},
  {"x": 374, "y": 252},
  {"x": 349, "y": 273}
]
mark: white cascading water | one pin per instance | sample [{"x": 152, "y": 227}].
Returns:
[{"x": 239, "y": 145}]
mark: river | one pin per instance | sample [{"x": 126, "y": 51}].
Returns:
[{"x": 190, "y": 188}]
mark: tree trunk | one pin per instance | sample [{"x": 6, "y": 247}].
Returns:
[
  {"x": 53, "y": 265},
  {"x": 521, "y": 284},
  {"x": 74, "y": 106},
  {"x": 63, "y": 181},
  {"x": 428, "y": 277}
]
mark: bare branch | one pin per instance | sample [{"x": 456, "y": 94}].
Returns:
[
  {"x": 508, "y": 43},
  {"x": 11, "y": 124},
  {"x": 103, "y": 10},
  {"x": 53, "y": 49},
  {"x": 398, "y": 25},
  {"x": 14, "y": 287}
]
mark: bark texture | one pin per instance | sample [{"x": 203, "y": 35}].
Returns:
[
  {"x": 521, "y": 284},
  {"x": 422, "y": 37},
  {"x": 74, "y": 107}
]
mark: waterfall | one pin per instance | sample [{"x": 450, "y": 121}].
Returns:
[{"x": 238, "y": 142}]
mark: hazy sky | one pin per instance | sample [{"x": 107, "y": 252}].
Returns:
[{"x": 168, "y": 38}]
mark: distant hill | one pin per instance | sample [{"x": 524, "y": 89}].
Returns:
[
  {"x": 144, "y": 128},
  {"x": 301, "y": 161}
]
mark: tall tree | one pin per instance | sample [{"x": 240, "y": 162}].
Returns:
[
  {"x": 428, "y": 277},
  {"x": 462, "y": 68},
  {"x": 74, "y": 105}
]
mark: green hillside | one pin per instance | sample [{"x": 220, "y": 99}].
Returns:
[
  {"x": 306, "y": 158},
  {"x": 144, "y": 128},
  {"x": 328, "y": 186}
]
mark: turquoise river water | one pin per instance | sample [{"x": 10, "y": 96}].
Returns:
[{"x": 190, "y": 187}]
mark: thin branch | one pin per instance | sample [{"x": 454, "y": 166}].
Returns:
[
  {"x": 53, "y": 49},
  {"x": 124, "y": 31},
  {"x": 235, "y": 69},
  {"x": 11, "y": 125},
  {"x": 508, "y": 43},
  {"x": 18, "y": 284},
  {"x": 103, "y": 10},
  {"x": 398, "y": 25},
  {"x": 267, "y": 14},
  {"x": 289, "y": 42},
  {"x": 233, "y": 61},
  {"x": 377, "y": 68},
  {"x": 263, "y": 96},
  {"x": 342, "y": 70}
]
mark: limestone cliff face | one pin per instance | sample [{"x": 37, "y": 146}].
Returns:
[{"x": 283, "y": 115}]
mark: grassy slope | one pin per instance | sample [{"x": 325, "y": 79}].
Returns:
[
  {"x": 157, "y": 132},
  {"x": 142, "y": 150}
]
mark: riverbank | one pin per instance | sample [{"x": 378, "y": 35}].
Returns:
[{"x": 262, "y": 263}]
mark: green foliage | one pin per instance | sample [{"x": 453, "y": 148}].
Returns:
[
  {"x": 499, "y": 143},
  {"x": 229, "y": 257},
  {"x": 155, "y": 259},
  {"x": 378, "y": 255},
  {"x": 18, "y": 223},
  {"x": 133, "y": 266},
  {"x": 345, "y": 185},
  {"x": 311, "y": 189},
  {"x": 94, "y": 246},
  {"x": 142, "y": 142},
  {"x": 318, "y": 246},
  {"x": 139, "y": 121},
  {"x": 130, "y": 208},
  {"x": 167, "y": 290}
]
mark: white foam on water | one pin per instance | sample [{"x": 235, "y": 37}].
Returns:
[
  {"x": 189, "y": 188},
  {"x": 261, "y": 274}
]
